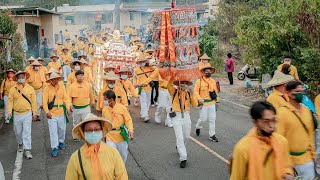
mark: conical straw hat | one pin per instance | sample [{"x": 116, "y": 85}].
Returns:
[{"x": 279, "y": 78}]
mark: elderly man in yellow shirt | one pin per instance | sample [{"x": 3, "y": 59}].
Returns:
[
  {"x": 6, "y": 85},
  {"x": 66, "y": 60},
  {"x": 127, "y": 85},
  {"x": 36, "y": 80},
  {"x": 81, "y": 95},
  {"x": 279, "y": 81},
  {"x": 204, "y": 61},
  {"x": 95, "y": 159},
  {"x": 206, "y": 92},
  {"x": 262, "y": 153},
  {"x": 56, "y": 103},
  {"x": 141, "y": 73},
  {"x": 22, "y": 102},
  {"x": 295, "y": 122},
  {"x": 122, "y": 125},
  {"x": 182, "y": 96},
  {"x": 54, "y": 64},
  {"x": 42, "y": 67},
  {"x": 30, "y": 61},
  {"x": 293, "y": 69}
]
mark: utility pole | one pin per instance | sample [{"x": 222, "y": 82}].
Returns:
[
  {"x": 55, "y": 6},
  {"x": 117, "y": 13}
]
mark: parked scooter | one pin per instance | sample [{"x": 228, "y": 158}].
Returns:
[{"x": 246, "y": 73}]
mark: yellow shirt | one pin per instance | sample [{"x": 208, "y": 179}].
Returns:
[
  {"x": 142, "y": 74},
  {"x": 88, "y": 74},
  {"x": 118, "y": 90},
  {"x": 74, "y": 49},
  {"x": 118, "y": 115},
  {"x": 67, "y": 35},
  {"x": 129, "y": 88},
  {"x": 72, "y": 78},
  {"x": 81, "y": 94},
  {"x": 98, "y": 40},
  {"x": 110, "y": 160},
  {"x": 36, "y": 80},
  {"x": 291, "y": 128},
  {"x": 91, "y": 50},
  {"x": 44, "y": 69},
  {"x": 277, "y": 99},
  {"x": 201, "y": 64},
  {"x": 241, "y": 154},
  {"x": 55, "y": 65},
  {"x": 6, "y": 85},
  {"x": 66, "y": 59},
  {"x": 80, "y": 45},
  {"x": 293, "y": 71},
  {"x": 317, "y": 104},
  {"x": 202, "y": 88},
  {"x": 91, "y": 40},
  {"x": 18, "y": 103},
  {"x": 186, "y": 99},
  {"x": 69, "y": 45},
  {"x": 61, "y": 97}
]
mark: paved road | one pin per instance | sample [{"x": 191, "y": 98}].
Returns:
[{"x": 152, "y": 154}]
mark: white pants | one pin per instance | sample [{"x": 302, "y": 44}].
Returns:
[
  {"x": 145, "y": 103},
  {"x": 22, "y": 124},
  {"x": 39, "y": 102},
  {"x": 306, "y": 171},
  {"x": 5, "y": 99},
  {"x": 208, "y": 113},
  {"x": 164, "y": 103},
  {"x": 122, "y": 147},
  {"x": 66, "y": 71},
  {"x": 57, "y": 129},
  {"x": 79, "y": 115},
  {"x": 182, "y": 129}
]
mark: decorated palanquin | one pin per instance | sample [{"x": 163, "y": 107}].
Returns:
[{"x": 175, "y": 34}]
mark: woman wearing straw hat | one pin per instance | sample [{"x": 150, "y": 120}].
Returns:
[
  {"x": 22, "y": 102},
  {"x": 95, "y": 159},
  {"x": 54, "y": 64},
  {"x": 6, "y": 85},
  {"x": 66, "y": 59},
  {"x": 206, "y": 92},
  {"x": 279, "y": 81},
  {"x": 36, "y": 80},
  {"x": 122, "y": 124},
  {"x": 56, "y": 103}
]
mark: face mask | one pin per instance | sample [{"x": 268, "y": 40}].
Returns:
[
  {"x": 208, "y": 75},
  {"x": 106, "y": 103},
  {"x": 36, "y": 68},
  {"x": 264, "y": 133},
  {"x": 77, "y": 68},
  {"x": 111, "y": 86},
  {"x": 298, "y": 97},
  {"x": 93, "y": 137},
  {"x": 124, "y": 76},
  {"x": 21, "y": 80},
  {"x": 143, "y": 64}
]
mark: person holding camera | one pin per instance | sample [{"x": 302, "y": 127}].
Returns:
[
  {"x": 182, "y": 96},
  {"x": 206, "y": 92}
]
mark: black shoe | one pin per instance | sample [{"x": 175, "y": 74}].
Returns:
[
  {"x": 198, "y": 132},
  {"x": 214, "y": 138},
  {"x": 38, "y": 118},
  {"x": 183, "y": 164}
]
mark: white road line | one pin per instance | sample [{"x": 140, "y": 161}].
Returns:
[
  {"x": 17, "y": 166},
  {"x": 235, "y": 103},
  {"x": 210, "y": 150},
  {"x": 1, "y": 172}
]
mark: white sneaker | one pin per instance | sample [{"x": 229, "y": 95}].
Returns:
[
  {"x": 28, "y": 154},
  {"x": 146, "y": 119},
  {"x": 20, "y": 148},
  {"x": 168, "y": 125},
  {"x": 153, "y": 105},
  {"x": 7, "y": 121}
]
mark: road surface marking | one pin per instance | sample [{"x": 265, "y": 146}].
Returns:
[
  {"x": 235, "y": 103},
  {"x": 17, "y": 166},
  {"x": 210, "y": 150}
]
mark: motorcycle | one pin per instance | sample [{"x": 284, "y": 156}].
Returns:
[{"x": 245, "y": 72}]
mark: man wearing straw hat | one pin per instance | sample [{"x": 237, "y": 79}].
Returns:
[
  {"x": 95, "y": 159},
  {"x": 54, "y": 64},
  {"x": 22, "y": 102},
  {"x": 127, "y": 85},
  {"x": 111, "y": 84},
  {"x": 66, "y": 59},
  {"x": 279, "y": 81},
  {"x": 42, "y": 68},
  {"x": 122, "y": 124},
  {"x": 204, "y": 61},
  {"x": 81, "y": 95},
  {"x": 206, "y": 92},
  {"x": 76, "y": 65},
  {"x": 36, "y": 80},
  {"x": 30, "y": 61},
  {"x": 181, "y": 93},
  {"x": 56, "y": 103},
  {"x": 142, "y": 72},
  {"x": 6, "y": 85}
]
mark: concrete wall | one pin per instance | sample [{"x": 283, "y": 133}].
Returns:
[
  {"x": 47, "y": 26},
  {"x": 125, "y": 19}
]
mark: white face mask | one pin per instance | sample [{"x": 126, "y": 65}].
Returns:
[
  {"x": 77, "y": 68},
  {"x": 124, "y": 76},
  {"x": 106, "y": 103},
  {"x": 111, "y": 86},
  {"x": 21, "y": 80},
  {"x": 36, "y": 68}
]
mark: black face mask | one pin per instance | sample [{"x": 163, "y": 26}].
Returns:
[
  {"x": 263, "y": 133},
  {"x": 208, "y": 75}
]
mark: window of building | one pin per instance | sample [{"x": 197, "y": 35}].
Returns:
[
  {"x": 69, "y": 19},
  {"x": 131, "y": 16}
]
